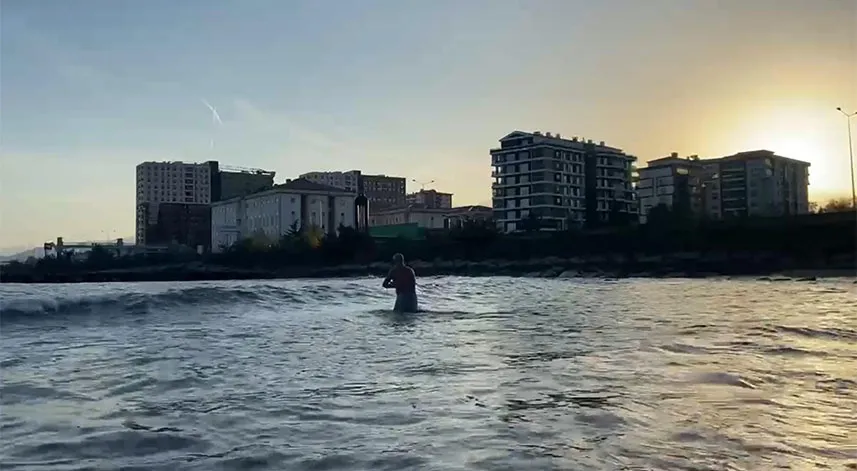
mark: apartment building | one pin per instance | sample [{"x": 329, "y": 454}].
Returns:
[
  {"x": 674, "y": 182},
  {"x": 559, "y": 181},
  {"x": 755, "y": 183},
  {"x": 430, "y": 199},
  {"x": 346, "y": 180},
  {"x": 173, "y": 198},
  {"x": 177, "y": 183},
  {"x": 381, "y": 191},
  {"x": 176, "y": 224},
  {"x": 271, "y": 213}
]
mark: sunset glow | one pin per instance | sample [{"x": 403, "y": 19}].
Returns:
[{"x": 422, "y": 90}]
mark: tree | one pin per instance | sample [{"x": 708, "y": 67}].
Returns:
[
  {"x": 99, "y": 257},
  {"x": 813, "y": 207},
  {"x": 837, "y": 206}
]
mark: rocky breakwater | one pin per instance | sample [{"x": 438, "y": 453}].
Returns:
[{"x": 683, "y": 264}]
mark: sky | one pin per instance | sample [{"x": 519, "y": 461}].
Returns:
[{"x": 421, "y": 89}]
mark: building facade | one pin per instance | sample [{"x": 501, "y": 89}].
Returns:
[
  {"x": 173, "y": 198},
  {"x": 457, "y": 217},
  {"x": 430, "y": 199},
  {"x": 560, "y": 182},
  {"x": 169, "y": 182},
  {"x": 231, "y": 182},
  {"x": 674, "y": 182},
  {"x": 272, "y": 213},
  {"x": 382, "y": 191},
  {"x": 755, "y": 183},
  {"x": 177, "y": 224},
  {"x": 348, "y": 181},
  {"x": 428, "y": 218}
]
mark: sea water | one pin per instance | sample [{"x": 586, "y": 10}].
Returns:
[{"x": 498, "y": 374}]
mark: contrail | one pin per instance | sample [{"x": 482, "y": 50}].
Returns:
[{"x": 215, "y": 117}]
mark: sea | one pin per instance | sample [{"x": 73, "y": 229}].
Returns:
[{"x": 495, "y": 374}]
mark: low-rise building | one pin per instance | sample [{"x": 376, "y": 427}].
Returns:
[
  {"x": 457, "y": 217},
  {"x": 429, "y": 218},
  {"x": 272, "y": 213}
]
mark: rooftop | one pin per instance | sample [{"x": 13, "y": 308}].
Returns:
[
  {"x": 302, "y": 184},
  {"x": 760, "y": 154},
  {"x": 557, "y": 139},
  {"x": 299, "y": 185},
  {"x": 423, "y": 209}
]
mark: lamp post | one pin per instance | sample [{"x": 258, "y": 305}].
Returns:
[
  {"x": 848, "y": 117},
  {"x": 422, "y": 184}
]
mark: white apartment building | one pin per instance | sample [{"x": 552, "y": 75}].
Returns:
[
  {"x": 273, "y": 212},
  {"x": 559, "y": 181},
  {"x": 169, "y": 182},
  {"x": 346, "y": 180}
]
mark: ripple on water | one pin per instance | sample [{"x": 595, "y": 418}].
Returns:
[{"x": 497, "y": 374}]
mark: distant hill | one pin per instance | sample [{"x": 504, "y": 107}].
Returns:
[{"x": 23, "y": 256}]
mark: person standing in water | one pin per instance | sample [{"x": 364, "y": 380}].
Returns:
[{"x": 403, "y": 279}]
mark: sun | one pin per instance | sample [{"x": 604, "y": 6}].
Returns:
[{"x": 805, "y": 131}]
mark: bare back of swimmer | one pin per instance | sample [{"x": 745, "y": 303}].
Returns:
[{"x": 402, "y": 278}]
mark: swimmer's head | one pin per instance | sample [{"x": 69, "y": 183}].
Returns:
[{"x": 399, "y": 259}]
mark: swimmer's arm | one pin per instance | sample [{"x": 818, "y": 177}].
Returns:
[{"x": 388, "y": 282}]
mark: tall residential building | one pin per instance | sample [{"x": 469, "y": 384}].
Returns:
[
  {"x": 178, "y": 183},
  {"x": 272, "y": 213},
  {"x": 560, "y": 182},
  {"x": 173, "y": 198},
  {"x": 430, "y": 199},
  {"x": 755, "y": 183},
  {"x": 176, "y": 223},
  {"x": 382, "y": 191},
  {"x": 672, "y": 181}
]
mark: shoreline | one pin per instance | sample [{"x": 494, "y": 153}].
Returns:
[{"x": 689, "y": 265}]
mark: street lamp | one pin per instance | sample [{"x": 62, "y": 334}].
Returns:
[
  {"x": 422, "y": 184},
  {"x": 848, "y": 117}
]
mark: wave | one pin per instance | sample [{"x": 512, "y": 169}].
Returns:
[{"x": 30, "y": 306}]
